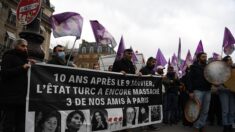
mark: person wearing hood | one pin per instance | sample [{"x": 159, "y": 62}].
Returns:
[
  {"x": 15, "y": 64},
  {"x": 58, "y": 56}
]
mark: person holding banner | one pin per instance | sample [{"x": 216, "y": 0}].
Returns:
[
  {"x": 15, "y": 64},
  {"x": 200, "y": 89},
  {"x": 149, "y": 70},
  {"x": 125, "y": 65},
  {"x": 74, "y": 121},
  {"x": 58, "y": 56}
]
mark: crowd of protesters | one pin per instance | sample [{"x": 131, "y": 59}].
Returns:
[{"x": 217, "y": 105}]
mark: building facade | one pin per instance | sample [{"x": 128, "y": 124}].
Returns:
[
  {"x": 89, "y": 52},
  {"x": 10, "y": 28}
]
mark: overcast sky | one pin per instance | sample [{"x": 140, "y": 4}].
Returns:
[{"x": 147, "y": 25}]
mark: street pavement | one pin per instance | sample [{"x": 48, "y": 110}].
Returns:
[{"x": 179, "y": 128}]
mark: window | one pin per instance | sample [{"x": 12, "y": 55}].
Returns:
[
  {"x": 9, "y": 39},
  {"x": 91, "y": 49},
  {"x": 99, "y": 50},
  {"x": 83, "y": 50},
  {"x": 85, "y": 65},
  {"x": 11, "y": 17}
]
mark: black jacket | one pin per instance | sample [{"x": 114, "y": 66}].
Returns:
[
  {"x": 56, "y": 60},
  {"x": 172, "y": 83},
  {"x": 197, "y": 80},
  {"x": 14, "y": 77},
  {"x": 147, "y": 70},
  {"x": 124, "y": 65}
]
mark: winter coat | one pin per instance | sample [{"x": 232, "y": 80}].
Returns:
[
  {"x": 124, "y": 65},
  {"x": 14, "y": 77},
  {"x": 197, "y": 81},
  {"x": 147, "y": 71}
]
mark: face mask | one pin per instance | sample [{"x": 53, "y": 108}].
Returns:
[{"x": 61, "y": 55}]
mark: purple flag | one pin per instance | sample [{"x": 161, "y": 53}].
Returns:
[
  {"x": 134, "y": 57},
  {"x": 102, "y": 36},
  {"x": 216, "y": 56},
  {"x": 174, "y": 63},
  {"x": 160, "y": 59},
  {"x": 174, "y": 60},
  {"x": 228, "y": 42},
  {"x": 199, "y": 49},
  {"x": 67, "y": 24},
  {"x": 188, "y": 61},
  {"x": 121, "y": 48}
]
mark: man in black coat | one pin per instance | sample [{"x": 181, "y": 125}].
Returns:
[
  {"x": 125, "y": 65},
  {"x": 58, "y": 56},
  {"x": 200, "y": 89},
  {"x": 15, "y": 64}
]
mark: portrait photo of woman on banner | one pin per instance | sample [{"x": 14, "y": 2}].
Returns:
[
  {"x": 129, "y": 116},
  {"x": 143, "y": 114},
  {"x": 99, "y": 120},
  {"x": 47, "y": 122},
  {"x": 155, "y": 113},
  {"x": 75, "y": 122}
]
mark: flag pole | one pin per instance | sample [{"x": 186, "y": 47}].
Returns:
[{"x": 71, "y": 51}]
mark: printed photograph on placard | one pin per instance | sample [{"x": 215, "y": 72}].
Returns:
[
  {"x": 76, "y": 120},
  {"x": 99, "y": 119},
  {"x": 129, "y": 116},
  {"x": 143, "y": 114},
  {"x": 47, "y": 121},
  {"x": 155, "y": 113}
]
